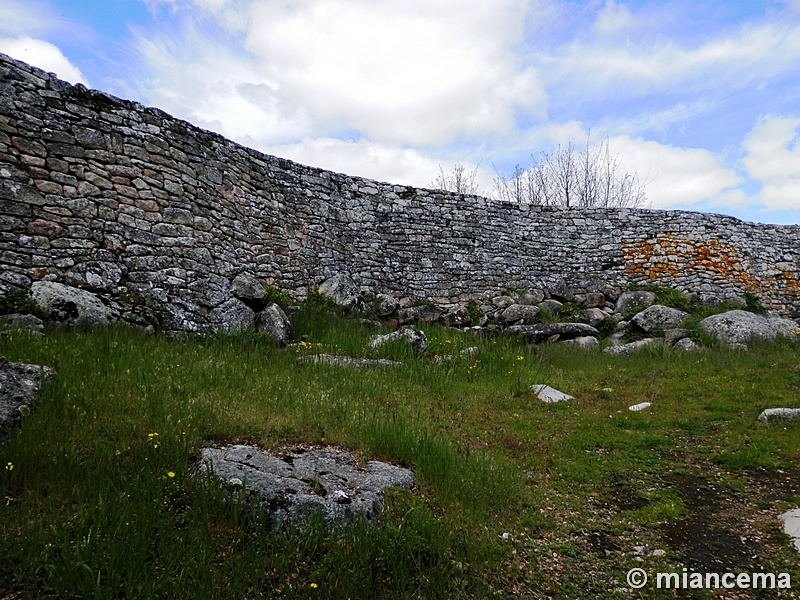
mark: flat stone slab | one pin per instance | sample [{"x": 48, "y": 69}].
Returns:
[
  {"x": 348, "y": 361},
  {"x": 555, "y": 331},
  {"x": 547, "y": 394},
  {"x": 791, "y": 525},
  {"x": 297, "y": 484},
  {"x": 631, "y": 347},
  {"x": 770, "y": 415},
  {"x": 640, "y": 406}
]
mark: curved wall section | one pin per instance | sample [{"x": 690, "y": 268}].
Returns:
[{"x": 116, "y": 197}]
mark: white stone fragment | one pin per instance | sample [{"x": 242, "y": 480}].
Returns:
[
  {"x": 547, "y": 394},
  {"x": 791, "y": 525},
  {"x": 640, "y": 406}
]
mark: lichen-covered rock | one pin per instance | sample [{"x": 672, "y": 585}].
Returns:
[
  {"x": 299, "y": 484},
  {"x": 630, "y": 301},
  {"x": 424, "y": 313},
  {"x": 416, "y": 339},
  {"x": 741, "y": 327},
  {"x": 20, "y": 385},
  {"x": 70, "y": 306},
  {"x": 343, "y": 291},
  {"x": 249, "y": 290},
  {"x": 550, "y": 395},
  {"x": 657, "y": 318},
  {"x": 519, "y": 312},
  {"x": 234, "y": 315},
  {"x": 584, "y": 343},
  {"x": 386, "y": 305},
  {"x": 273, "y": 320},
  {"x": 631, "y": 347},
  {"x": 457, "y": 316}
]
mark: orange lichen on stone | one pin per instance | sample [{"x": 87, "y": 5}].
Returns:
[{"x": 670, "y": 257}]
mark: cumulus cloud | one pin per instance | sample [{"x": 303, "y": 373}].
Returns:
[
  {"x": 678, "y": 177},
  {"x": 773, "y": 160},
  {"x": 416, "y": 73},
  {"x": 43, "y": 55}
]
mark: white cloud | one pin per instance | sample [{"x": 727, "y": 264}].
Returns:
[
  {"x": 678, "y": 177},
  {"x": 416, "y": 72},
  {"x": 773, "y": 160},
  {"x": 43, "y": 55}
]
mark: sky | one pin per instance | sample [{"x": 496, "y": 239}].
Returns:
[{"x": 700, "y": 98}]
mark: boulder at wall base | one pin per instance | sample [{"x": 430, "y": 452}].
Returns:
[
  {"x": 69, "y": 306},
  {"x": 249, "y": 290},
  {"x": 273, "y": 320},
  {"x": 546, "y": 331},
  {"x": 658, "y": 318},
  {"x": 629, "y": 301},
  {"x": 741, "y": 327},
  {"x": 343, "y": 291},
  {"x": 19, "y": 388},
  {"x": 299, "y": 483},
  {"x": 233, "y": 315},
  {"x": 425, "y": 313}
]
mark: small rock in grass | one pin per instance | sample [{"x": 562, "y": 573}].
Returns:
[
  {"x": 771, "y": 415},
  {"x": 547, "y": 394},
  {"x": 640, "y": 406}
]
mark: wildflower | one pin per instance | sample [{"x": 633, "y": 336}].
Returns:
[
  {"x": 152, "y": 435},
  {"x": 314, "y": 585},
  {"x": 10, "y": 467},
  {"x": 171, "y": 474},
  {"x": 520, "y": 357}
]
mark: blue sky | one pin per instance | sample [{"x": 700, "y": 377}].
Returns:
[{"x": 700, "y": 98}]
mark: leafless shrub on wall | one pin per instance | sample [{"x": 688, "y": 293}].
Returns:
[{"x": 458, "y": 180}]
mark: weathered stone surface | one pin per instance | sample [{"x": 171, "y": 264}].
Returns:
[
  {"x": 770, "y": 415},
  {"x": 273, "y": 320},
  {"x": 149, "y": 194},
  {"x": 299, "y": 484},
  {"x": 417, "y": 340},
  {"x": 29, "y": 323},
  {"x": 550, "y": 395},
  {"x": 639, "y": 407},
  {"x": 385, "y": 305},
  {"x": 594, "y": 316},
  {"x": 595, "y": 300},
  {"x": 657, "y": 318},
  {"x": 584, "y": 343},
  {"x": 69, "y": 306},
  {"x": 348, "y": 361},
  {"x": 234, "y": 315},
  {"x": 741, "y": 327},
  {"x": 457, "y": 316},
  {"x": 630, "y": 348},
  {"x": 687, "y": 345},
  {"x": 674, "y": 335},
  {"x": 425, "y": 313},
  {"x": 249, "y": 290},
  {"x": 519, "y": 312},
  {"x": 546, "y": 331},
  {"x": 20, "y": 385},
  {"x": 629, "y": 301},
  {"x": 343, "y": 291},
  {"x": 551, "y": 305},
  {"x": 98, "y": 276}
]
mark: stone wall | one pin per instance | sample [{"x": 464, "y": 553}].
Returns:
[{"x": 121, "y": 199}]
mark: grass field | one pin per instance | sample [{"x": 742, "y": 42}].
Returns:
[{"x": 514, "y": 497}]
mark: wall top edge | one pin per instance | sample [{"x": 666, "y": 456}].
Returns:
[{"x": 80, "y": 90}]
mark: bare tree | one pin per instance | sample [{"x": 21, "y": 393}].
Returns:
[
  {"x": 571, "y": 177},
  {"x": 458, "y": 180}
]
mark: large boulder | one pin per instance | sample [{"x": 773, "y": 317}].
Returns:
[
  {"x": 630, "y": 301},
  {"x": 343, "y": 291},
  {"x": 273, "y": 320},
  {"x": 385, "y": 305},
  {"x": 630, "y": 348},
  {"x": 20, "y": 385},
  {"x": 741, "y": 327},
  {"x": 70, "y": 306},
  {"x": 457, "y": 316},
  {"x": 298, "y": 484},
  {"x": 659, "y": 318}
]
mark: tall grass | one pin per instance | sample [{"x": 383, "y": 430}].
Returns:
[{"x": 102, "y": 500}]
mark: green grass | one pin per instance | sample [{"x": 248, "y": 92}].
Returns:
[{"x": 101, "y": 501}]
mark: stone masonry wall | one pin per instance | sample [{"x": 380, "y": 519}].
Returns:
[{"x": 117, "y": 198}]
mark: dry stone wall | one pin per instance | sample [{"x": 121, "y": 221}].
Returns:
[{"x": 125, "y": 200}]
